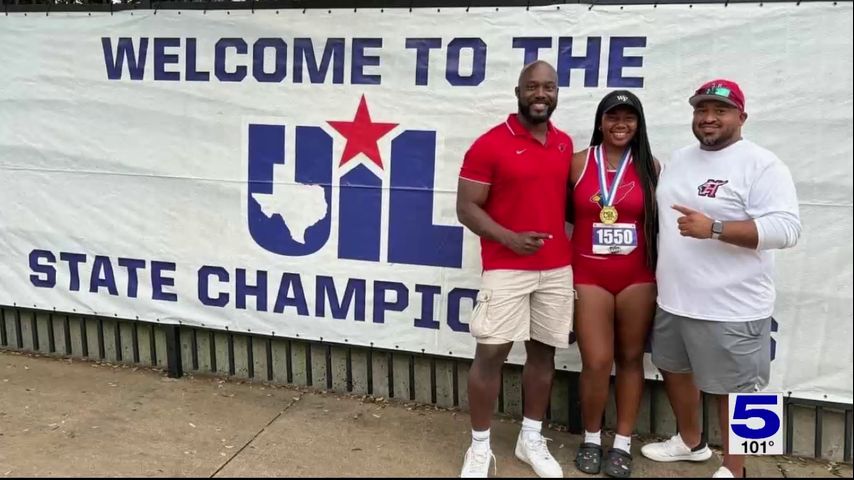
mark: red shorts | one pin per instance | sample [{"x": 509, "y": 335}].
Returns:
[{"x": 611, "y": 272}]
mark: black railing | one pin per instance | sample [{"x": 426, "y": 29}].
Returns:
[{"x": 11, "y": 6}]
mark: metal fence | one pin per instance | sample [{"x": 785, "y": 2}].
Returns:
[
  {"x": 47, "y": 6},
  {"x": 813, "y": 428}
]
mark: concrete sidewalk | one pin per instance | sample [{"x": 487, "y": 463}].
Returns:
[{"x": 72, "y": 418}]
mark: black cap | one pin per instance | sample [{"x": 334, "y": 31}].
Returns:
[{"x": 618, "y": 98}]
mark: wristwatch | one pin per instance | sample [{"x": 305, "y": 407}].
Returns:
[{"x": 717, "y": 229}]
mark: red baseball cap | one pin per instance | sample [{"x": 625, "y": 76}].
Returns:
[{"x": 721, "y": 90}]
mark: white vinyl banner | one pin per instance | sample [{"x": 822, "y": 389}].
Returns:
[{"x": 294, "y": 172}]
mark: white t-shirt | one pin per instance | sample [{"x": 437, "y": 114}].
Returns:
[{"x": 709, "y": 279}]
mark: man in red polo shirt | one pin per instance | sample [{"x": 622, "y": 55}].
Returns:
[{"x": 512, "y": 193}]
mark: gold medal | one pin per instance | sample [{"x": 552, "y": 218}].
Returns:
[
  {"x": 608, "y": 215},
  {"x": 608, "y": 197}
]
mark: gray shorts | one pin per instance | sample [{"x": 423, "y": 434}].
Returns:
[{"x": 725, "y": 357}]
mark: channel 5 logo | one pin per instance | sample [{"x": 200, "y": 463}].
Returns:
[{"x": 755, "y": 423}]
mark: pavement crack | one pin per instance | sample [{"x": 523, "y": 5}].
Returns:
[{"x": 259, "y": 432}]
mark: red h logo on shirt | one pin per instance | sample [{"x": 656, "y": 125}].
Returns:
[{"x": 710, "y": 188}]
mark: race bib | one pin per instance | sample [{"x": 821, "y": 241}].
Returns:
[{"x": 614, "y": 239}]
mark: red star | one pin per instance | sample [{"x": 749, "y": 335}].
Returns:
[{"x": 362, "y": 135}]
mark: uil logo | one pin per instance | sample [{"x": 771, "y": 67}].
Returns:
[{"x": 290, "y": 200}]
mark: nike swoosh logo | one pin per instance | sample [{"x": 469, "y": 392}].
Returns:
[{"x": 520, "y": 152}]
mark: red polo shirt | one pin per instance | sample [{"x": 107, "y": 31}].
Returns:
[{"x": 527, "y": 191}]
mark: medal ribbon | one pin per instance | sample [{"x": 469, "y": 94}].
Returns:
[{"x": 608, "y": 196}]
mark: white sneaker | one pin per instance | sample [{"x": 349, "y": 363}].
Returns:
[
  {"x": 675, "y": 450},
  {"x": 476, "y": 464},
  {"x": 532, "y": 450},
  {"x": 723, "y": 472}
]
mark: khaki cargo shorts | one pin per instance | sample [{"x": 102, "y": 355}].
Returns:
[{"x": 520, "y": 305}]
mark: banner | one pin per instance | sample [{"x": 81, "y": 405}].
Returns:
[{"x": 294, "y": 173}]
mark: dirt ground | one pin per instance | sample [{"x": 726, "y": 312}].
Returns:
[{"x": 60, "y": 417}]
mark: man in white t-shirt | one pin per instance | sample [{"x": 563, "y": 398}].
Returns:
[{"x": 724, "y": 205}]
